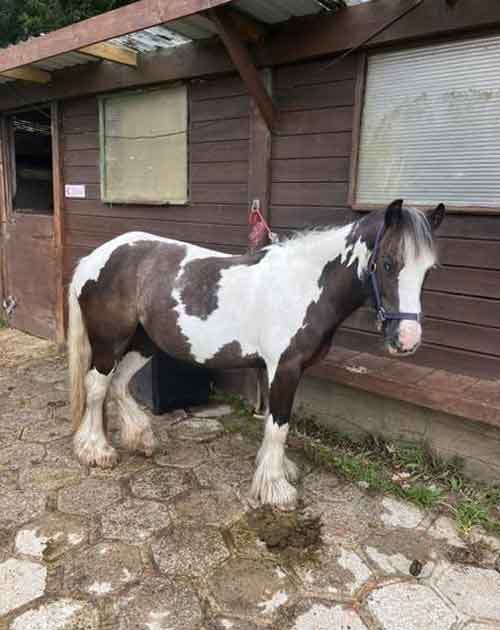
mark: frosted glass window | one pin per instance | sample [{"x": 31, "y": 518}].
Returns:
[
  {"x": 430, "y": 128},
  {"x": 144, "y": 146}
]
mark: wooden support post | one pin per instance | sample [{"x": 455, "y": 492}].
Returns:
[
  {"x": 110, "y": 52},
  {"x": 244, "y": 64},
  {"x": 58, "y": 225},
  {"x": 28, "y": 73},
  {"x": 259, "y": 160}
]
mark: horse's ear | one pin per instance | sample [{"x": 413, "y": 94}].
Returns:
[
  {"x": 435, "y": 217},
  {"x": 393, "y": 213}
]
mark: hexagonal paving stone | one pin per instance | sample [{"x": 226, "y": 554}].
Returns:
[
  {"x": 17, "y": 506},
  {"x": 189, "y": 551},
  {"x": 246, "y": 587},
  {"x": 399, "y": 514},
  {"x": 321, "y": 616},
  {"x": 48, "y": 431},
  {"x": 21, "y": 582},
  {"x": 134, "y": 521},
  {"x": 474, "y": 591},
  {"x": 410, "y": 606},
  {"x": 51, "y": 536},
  {"x": 393, "y": 551},
  {"x": 61, "y": 614},
  {"x": 211, "y": 411},
  {"x": 91, "y": 496},
  {"x": 336, "y": 572},
  {"x": 234, "y": 446},
  {"x": 347, "y": 514},
  {"x": 228, "y": 623},
  {"x": 226, "y": 473},
  {"x": 103, "y": 569},
  {"x": 181, "y": 455},
  {"x": 197, "y": 429},
  {"x": 158, "y": 604},
  {"x": 20, "y": 454},
  {"x": 213, "y": 507},
  {"x": 159, "y": 483},
  {"x": 48, "y": 477},
  {"x": 60, "y": 453}
]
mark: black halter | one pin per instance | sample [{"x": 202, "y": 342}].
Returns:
[{"x": 382, "y": 314}]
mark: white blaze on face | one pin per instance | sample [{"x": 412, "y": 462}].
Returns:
[{"x": 410, "y": 281}]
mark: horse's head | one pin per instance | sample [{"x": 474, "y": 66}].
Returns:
[{"x": 403, "y": 253}]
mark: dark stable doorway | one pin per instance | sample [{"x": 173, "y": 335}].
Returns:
[{"x": 31, "y": 161}]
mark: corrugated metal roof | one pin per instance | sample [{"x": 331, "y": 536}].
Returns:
[{"x": 196, "y": 27}]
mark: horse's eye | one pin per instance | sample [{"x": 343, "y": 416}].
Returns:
[{"x": 387, "y": 265}]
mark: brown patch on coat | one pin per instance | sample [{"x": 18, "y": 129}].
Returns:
[
  {"x": 231, "y": 356},
  {"x": 200, "y": 280}
]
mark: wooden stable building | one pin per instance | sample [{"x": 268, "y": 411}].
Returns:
[{"x": 173, "y": 116}]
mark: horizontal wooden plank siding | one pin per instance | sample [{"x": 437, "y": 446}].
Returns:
[
  {"x": 310, "y": 169},
  {"x": 310, "y": 175},
  {"x": 216, "y": 214}
]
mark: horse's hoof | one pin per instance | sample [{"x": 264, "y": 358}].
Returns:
[
  {"x": 102, "y": 456},
  {"x": 144, "y": 442},
  {"x": 278, "y": 493}
]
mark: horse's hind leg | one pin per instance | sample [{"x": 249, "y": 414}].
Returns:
[
  {"x": 136, "y": 432},
  {"x": 90, "y": 443}
]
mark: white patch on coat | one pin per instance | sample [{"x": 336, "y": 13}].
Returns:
[
  {"x": 90, "y": 267},
  {"x": 410, "y": 281},
  {"x": 247, "y": 294}
]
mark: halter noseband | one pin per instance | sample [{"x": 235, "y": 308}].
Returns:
[{"x": 382, "y": 314}]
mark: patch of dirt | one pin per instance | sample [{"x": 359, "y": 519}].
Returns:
[
  {"x": 477, "y": 554},
  {"x": 293, "y": 535},
  {"x": 18, "y": 348}
]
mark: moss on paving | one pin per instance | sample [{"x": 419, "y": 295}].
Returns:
[{"x": 407, "y": 470}]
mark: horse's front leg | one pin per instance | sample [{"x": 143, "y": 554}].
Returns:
[{"x": 271, "y": 482}]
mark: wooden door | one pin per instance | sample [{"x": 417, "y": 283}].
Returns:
[{"x": 28, "y": 243}]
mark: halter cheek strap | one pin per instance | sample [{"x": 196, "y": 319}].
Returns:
[{"x": 382, "y": 314}]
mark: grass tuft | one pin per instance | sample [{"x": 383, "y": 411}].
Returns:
[{"x": 408, "y": 470}]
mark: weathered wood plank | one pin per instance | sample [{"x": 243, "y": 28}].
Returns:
[
  {"x": 310, "y": 194},
  {"x": 213, "y": 130},
  {"x": 219, "y": 193},
  {"x": 80, "y": 141},
  {"x": 219, "y": 172},
  {"x": 315, "y": 121},
  {"x": 315, "y": 72},
  {"x": 337, "y": 94},
  {"x": 462, "y": 308},
  {"x": 469, "y": 253},
  {"x": 311, "y": 170},
  {"x": 219, "y": 108},
  {"x": 312, "y": 145},
  {"x": 217, "y": 88},
  {"x": 226, "y": 151},
  {"x": 231, "y": 214},
  {"x": 479, "y": 282},
  {"x": 84, "y": 157}
]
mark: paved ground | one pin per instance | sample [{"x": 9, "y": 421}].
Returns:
[{"x": 172, "y": 543}]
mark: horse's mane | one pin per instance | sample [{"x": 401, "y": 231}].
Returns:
[{"x": 416, "y": 233}]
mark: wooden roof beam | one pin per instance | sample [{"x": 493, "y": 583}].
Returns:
[
  {"x": 100, "y": 28},
  {"x": 28, "y": 73},
  {"x": 242, "y": 60},
  {"x": 111, "y": 52}
]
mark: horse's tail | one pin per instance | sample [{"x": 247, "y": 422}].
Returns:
[{"x": 80, "y": 356}]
